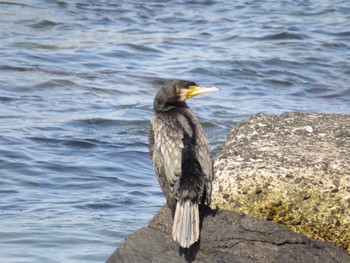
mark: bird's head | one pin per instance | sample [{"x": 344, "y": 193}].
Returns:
[{"x": 175, "y": 92}]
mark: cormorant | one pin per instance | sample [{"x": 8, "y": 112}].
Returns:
[{"x": 181, "y": 157}]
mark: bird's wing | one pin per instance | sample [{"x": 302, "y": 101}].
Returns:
[
  {"x": 203, "y": 153},
  {"x": 166, "y": 154}
]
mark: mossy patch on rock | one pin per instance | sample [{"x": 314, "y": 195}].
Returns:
[{"x": 293, "y": 169}]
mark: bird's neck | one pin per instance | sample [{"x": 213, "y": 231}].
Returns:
[{"x": 163, "y": 107}]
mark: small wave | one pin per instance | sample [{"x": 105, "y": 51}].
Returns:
[
  {"x": 279, "y": 82},
  {"x": 343, "y": 34},
  {"x": 44, "y": 24},
  {"x": 80, "y": 143},
  {"x": 282, "y": 36},
  {"x": 94, "y": 121},
  {"x": 36, "y": 69},
  {"x": 336, "y": 45},
  {"x": 76, "y": 143},
  {"x": 98, "y": 205},
  {"x": 315, "y": 12},
  {"x": 6, "y": 99},
  {"x": 143, "y": 48},
  {"x": 56, "y": 83},
  {"x": 14, "y": 4},
  {"x": 34, "y": 46},
  {"x": 201, "y": 71},
  {"x": 8, "y": 192},
  {"x": 103, "y": 121}
]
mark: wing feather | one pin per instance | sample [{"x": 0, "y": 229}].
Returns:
[
  {"x": 203, "y": 154},
  {"x": 166, "y": 153}
]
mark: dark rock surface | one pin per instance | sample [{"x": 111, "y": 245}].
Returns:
[{"x": 226, "y": 237}]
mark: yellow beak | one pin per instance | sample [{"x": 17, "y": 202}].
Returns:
[{"x": 197, "y": 90}]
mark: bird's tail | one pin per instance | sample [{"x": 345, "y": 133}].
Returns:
[{"x": 186, "y": 223}]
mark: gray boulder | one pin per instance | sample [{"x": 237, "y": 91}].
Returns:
[
  {"x": 293, "y": 169},
  {"x": 226, "y": 236}
]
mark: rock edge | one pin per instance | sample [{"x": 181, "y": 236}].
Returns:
[{"x": 226, "y": 236}]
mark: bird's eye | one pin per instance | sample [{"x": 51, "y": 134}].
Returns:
[{"x": 193, "y": 87}]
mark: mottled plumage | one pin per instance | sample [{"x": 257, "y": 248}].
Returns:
[{"x": 181, "y": 157}]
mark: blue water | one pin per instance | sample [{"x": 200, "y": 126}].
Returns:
[{"x": 77, "y": 81}]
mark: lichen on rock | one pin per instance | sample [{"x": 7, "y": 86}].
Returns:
[{"x": 292, "y": 169}]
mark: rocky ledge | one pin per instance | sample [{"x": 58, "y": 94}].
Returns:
[
  {"x": 226, "y": 237},
  {"x": 293, "y": 169}
]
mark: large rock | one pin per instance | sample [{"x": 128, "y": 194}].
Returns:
[
  {"x": 226, "y": 236},
  {"x": 293, "y": 169}
]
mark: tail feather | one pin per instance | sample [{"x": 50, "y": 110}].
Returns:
[{"x": 186, "y": 224}]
